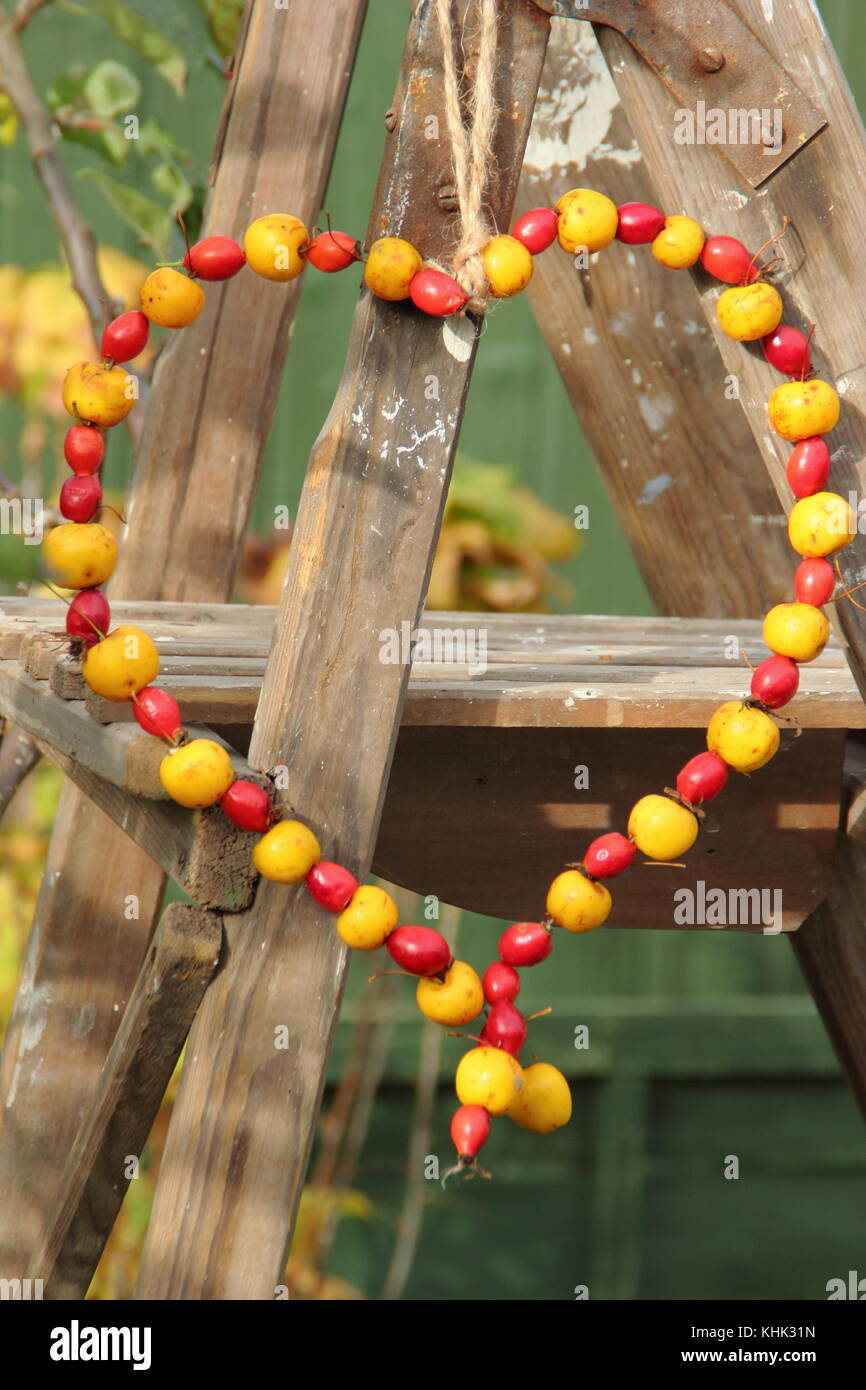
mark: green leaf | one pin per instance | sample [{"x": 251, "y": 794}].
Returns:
[
  {"x": 148, "y": 42},
  {"x": 171, "y": 182},
  {"x": 66, "y": 96},
  {"x": 110, "y": 89},
  {"x": 151, "y": 223},
  {"x": 224, "y": 21},
  {"x": 109, "y": 144},
  {"x": 66, "y": 88},
  {"x": 155, "y": 139}
]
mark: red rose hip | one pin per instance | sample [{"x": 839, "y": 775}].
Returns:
[
  {"x": 125, "y": 337},
  {"x": 247, "y": 806},
  {"x": 775, "y": 681},
  {"x": 505, "y": 1028},
  {"x": 788, "y": 351},
  {"x": 80, "y": 496},
  {"x": 88, "y": 616},
  {"x": 83, "y": 449},
  {"x": 638, "y": 223},
  {"x": 436, "y": 293},
  {"x": 808, "y": 466},
  {"x": 420, "y": 950},
  {"x": 536, "y": 229},
  {"x": 157, "y": 712},
  {"x": 727, "y": 259},
  {"x": 814, "y": 581},
  {"x": 331, "y": 885},
  {"x": 525, "y": 943},
  {"x": 500, "y": 981},
  {"x": 470, "y": 1126},
  {"x": 215, "y": 258},
  {"x": 609, "y": 855},
  {"x": 702, "y": 778},
  {"x": 331, "y": 251}
]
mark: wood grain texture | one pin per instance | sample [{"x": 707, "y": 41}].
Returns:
[
  {"x": 821, "y": 192},
  {"x": 237, "y": 1151},
  {"x": 831, "y": 950},
  {"x": 119, "y": 753},
  {"x": 179, "y": 965},
  {"x": 209, "y": 412},
  {"x": 675, "y": 39},
  {"x": 201, "y": 850},
  {"x": 641, "y": 367},
  {"x": 485, "y": 818},
  {"x": 484, "y": 669}
]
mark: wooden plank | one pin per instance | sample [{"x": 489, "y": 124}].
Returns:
[
  {"x": 213, "y": 700},
  {"x": 237, "y": 1150},
  {"x": 506, "y": 636},
  {"x": 120, "y": 753},
  {"x": 177, "y": 970},
  {"x": 831, "y": 950},
  {"x": 36, "y": 607},
  {"x": 636, "y": 327},
  {"x": 822, "y": 191},
  {"x": 65, "y": 723},
  {"x": 67, "y": 682},
  {"x": 196, "y": 470},
  {"x": 200, "y": 850},
  {"x": 484, "y": 818},
  {"x": 660, "y": 698}
]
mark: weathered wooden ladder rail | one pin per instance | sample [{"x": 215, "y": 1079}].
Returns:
[{"x": 364, "y": 538}]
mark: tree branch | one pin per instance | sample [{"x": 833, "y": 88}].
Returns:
[
  {"x": 77, "y": 238},
  {"x": 24, "y": 12},
  {"x": 19, "y": 754},
  {"x": 415, "y": 1194}
]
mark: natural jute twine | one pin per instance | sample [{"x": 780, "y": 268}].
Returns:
[{"x": 471, "y": 146}]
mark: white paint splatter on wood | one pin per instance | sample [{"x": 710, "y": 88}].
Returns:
[
  {"x": 656, "y": 410},
  {"x": 654, "y": 487}
]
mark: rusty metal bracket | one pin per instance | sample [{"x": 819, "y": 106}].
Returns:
[{"x": 704, "y": 53}]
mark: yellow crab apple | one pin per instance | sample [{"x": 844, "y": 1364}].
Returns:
[
  {"x": 101, "y": 395},
  {"x": 80, "y": 555},
  {"x": 390, "y": 267},
  {"x": 122, "y": 664},
  {"x": 586, "y": 219},
  {"x": 197, "y": 774},
  {"x": 744, "y": 737},
  {"x": 273, "y": 246}
]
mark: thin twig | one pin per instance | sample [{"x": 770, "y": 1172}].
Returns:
[
  {"x": 75, "y": 234},
  {"x": 19, "y": 754},
  {"x": 415, "y": 1195},
  {"x": 348, "y": 1121},
  {"x": 11, "y": 491},
  {"x": 24, "y": 12},
  {"x": 77, "y": 238}
]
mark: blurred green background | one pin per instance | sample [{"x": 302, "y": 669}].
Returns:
[{"x": 702, "y": 1045}]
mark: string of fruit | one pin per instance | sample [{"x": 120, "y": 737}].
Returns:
[{"x": 742, "y": 734}]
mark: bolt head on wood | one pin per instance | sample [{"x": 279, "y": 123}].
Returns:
[{"x": 711, "y": 59}]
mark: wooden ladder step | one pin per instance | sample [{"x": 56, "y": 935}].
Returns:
[
  {"x": 120, "y": 753},
  {"x": 506, "y": 670}
]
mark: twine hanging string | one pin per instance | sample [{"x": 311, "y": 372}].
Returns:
[{"x": 472, "y": 147}]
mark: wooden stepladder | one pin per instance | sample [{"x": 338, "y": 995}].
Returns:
[{"x": 247, "y": 959}]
